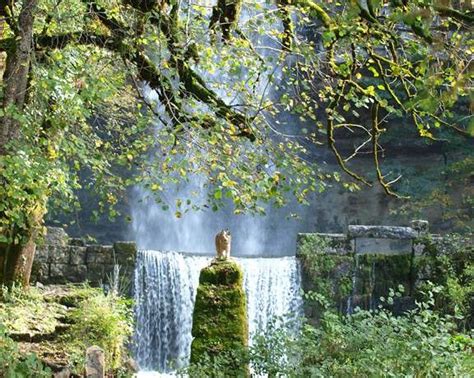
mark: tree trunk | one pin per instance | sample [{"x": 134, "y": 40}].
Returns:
[
  {"x": 17, "y": 262},
  {"x": 16, "y": 259},
  {"x": 15, "y": 77}
]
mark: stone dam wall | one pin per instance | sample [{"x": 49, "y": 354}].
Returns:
[{"x": 61, "y": 259}]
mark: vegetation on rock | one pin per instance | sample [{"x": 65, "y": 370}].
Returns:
[
  {"x": 220, "y": 328},
  {"x": 369, "y": 343},
  {"x": 49, "y": 329},
  {"x": 444, "y": 262}
]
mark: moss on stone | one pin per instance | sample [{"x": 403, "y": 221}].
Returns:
[{"x": 220, "y": 317}]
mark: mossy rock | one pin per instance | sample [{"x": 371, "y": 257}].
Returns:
[
  {"x": 221, "y": 272},
  {"x": 220, "y": 327}
]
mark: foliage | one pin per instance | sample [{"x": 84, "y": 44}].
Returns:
[
  {"x": 13, "y": 364},
  {"x": 102, "y": 320},
  {"x": 448, "y": 264},
  {"x": 87, "y": 316},
  {"x": 221, "y": 109},
  {"x": 328, "y": 274},
  {"x": 368, "y": 343}
]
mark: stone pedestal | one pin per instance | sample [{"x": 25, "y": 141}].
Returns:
[{"x": 220, "y": 326}]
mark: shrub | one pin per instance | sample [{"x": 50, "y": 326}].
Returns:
[
  {"x": 13, "y": 364},
  {"x": 370, "y": 343},
  {"x": 102, "y": 320}
]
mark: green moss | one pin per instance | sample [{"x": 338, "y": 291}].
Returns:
[
  {"x": 331, "y": 274},
  {"x": 220, "y": 319}
]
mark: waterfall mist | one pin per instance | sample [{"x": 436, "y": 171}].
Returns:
[{"x": 273, "y": 234}]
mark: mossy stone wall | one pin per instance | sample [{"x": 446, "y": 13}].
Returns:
[
  {"x": 220, "y": 326},
  {"x": 347, "y": 279}
]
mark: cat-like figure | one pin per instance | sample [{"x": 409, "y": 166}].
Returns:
[{"x": 223, "y": 240}]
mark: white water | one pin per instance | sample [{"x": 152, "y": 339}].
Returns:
[
  {"x": 165, "y": 290},
  {"x": 273, "y": 290}
]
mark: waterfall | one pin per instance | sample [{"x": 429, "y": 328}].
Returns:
[
  {"x": 165, "y": 290},
  {"x": 273, "y": 290}
]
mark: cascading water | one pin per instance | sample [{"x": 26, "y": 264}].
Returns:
[
  {"x": 165, "y": 290},
  {"x": 273, "y": 290}
]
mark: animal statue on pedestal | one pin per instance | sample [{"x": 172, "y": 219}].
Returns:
[{"x": 223, "y": 240}]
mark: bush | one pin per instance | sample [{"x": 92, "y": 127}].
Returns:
[
  {"x": 369, "y": 343},
  {"x": 13, "y": 364},
  {"x": 102, "y": 320},
  {"x": 449, "y": 264}
]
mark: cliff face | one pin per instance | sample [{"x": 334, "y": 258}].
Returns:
[{"x": 220, "y": 326}]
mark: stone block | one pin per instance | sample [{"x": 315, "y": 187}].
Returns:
[
  {"x": 42, "y": 253},
  {"x": 56, "y": 236},
  {"x": 95, "y": 362},
  {"x": 77, "y": 255},
  {"x": 57, "y": 273},
  {"x": 99, "y": 273},
  {"x": 384, "y": 246},
  {"x": 125, "y": 252},
  {"x": 40, "y": 271},
  {"x": 381, "y": 232},
  {"x": 58, "y": 254},
  {"x": 76, "y": 273},
  {"x": 77, "y": 242},
  {"x": 100, "y": 254}
]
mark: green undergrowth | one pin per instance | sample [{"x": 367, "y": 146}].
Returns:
[
  {"x": 54, "y": 325},
  {"x": 421, "y": 343},
  {"x": 220, "y": 328},
  {"x": 445, "y": 262}
]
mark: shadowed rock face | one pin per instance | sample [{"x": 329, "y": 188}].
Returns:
[{"x": 220, "y": 326}]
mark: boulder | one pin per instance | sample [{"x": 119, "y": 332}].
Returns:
[{"x": 95, "y": 362}]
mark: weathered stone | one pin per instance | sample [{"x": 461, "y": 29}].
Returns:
[
  {"x": 95, "y": 362},
  {"x": 100, "y": 254},
  {"x": 42, "y": 253},
  {"x": 420, "y": 226},
  {"x": 382, "y": 232},
  {"x": 58, "y": 254},
  {"x": 63, "y": 373},
  {"x": 56, "y": 236},
  {"x": 99, "y": 273},
  {"x": 125, "y": 252},
  {"x": 56, "y": 273},
  {"x": 383, "y": 246},
  {"x": 77, "y": 242},
  {"x": 76, "y": 273},
  {"x": 39, "y": 271},
  {"x": 77, "y": 255},
  {"x": 220, "y": 326}
]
